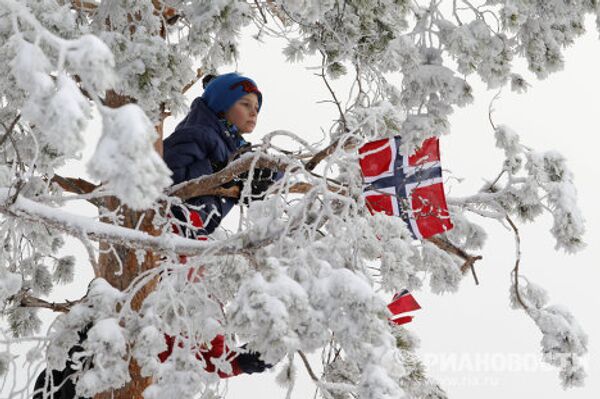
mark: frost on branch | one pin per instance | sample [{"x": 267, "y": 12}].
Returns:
[
  {"x": 23, "y": 321},
  {"x": 107, "y": 343},
  {"x": 478, "y": 49},
  {"x": 415, "y": 383},
  {"x": 434, "y": 87},
  {"x": 216, "y": 26},
  {"x": 309, "y": 266},
  {"x": 5, "y": 359},
  {"x": 445, "y": 272},
  {"x": 92, "y": 61},
  {"x": 100, "y": 304},
  {"x": 40, "y": 63},
  {"x": 531, "y": 182},
  {"x": 10, "y": 284},
  {"x": 64, "y": 270},
  {"x": 563, "y": 342},
  {"x": 465, "y": 234},
  {"x": 59, "y": 110},
  {"x": 543, "y": 29},
  {"x": 534, "y": 182},
  {"x": 148, "y": 344},
  {"x": 550, "y": 172},
  {"x": 126, "y": 160},
  {"x": 153, "y": 70},
  {"x": 400, "y": 261},
  {"x": 25, "y": 262}
]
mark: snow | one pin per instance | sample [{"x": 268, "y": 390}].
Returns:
[
  {"x": 302, "y": 271},
  {"x": 107, "y": 332},
  {"x": 10, "y": 284},
  {"x": 84, "y": 225},
  {"x": 91, "y": 60},
  {"x": 125, "y": 158}
]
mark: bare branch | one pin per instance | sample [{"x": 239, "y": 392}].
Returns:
[
  {"x": 330, "y": 149},
  {"x": 335, "y": 99},
  {"x": 262, "y": 14},
  {"x": 84, "y": 5},
  {"x": 491, "y": 109},
  {"x": 515, "y": 270},
  {"x": 9, "y": 129},
  {"x": 74, "y": 185},
  {"x": 308, "y": 368},
  {"x": 27, "y": 301}
]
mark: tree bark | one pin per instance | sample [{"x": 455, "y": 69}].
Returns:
[{"x": 122, "y": 271}]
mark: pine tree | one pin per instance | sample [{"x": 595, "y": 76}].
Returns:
[{"x": 302, "y": 272}]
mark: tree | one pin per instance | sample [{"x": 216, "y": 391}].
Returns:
[{"x": 307, "y": 260}]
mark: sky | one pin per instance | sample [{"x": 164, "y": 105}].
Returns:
[{"x": 471, "y": 341}]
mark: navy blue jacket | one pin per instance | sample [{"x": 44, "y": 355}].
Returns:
[{"x": 199, "y": 143}]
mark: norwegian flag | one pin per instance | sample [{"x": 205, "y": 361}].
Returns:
[
  {"x": 408, "y": 187},
  {"x": 402, "y": 302}
]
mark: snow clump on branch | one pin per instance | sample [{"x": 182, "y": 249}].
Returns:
[
  {"x": 126, "y": 160},
  {"x": 564, "y": 343}
]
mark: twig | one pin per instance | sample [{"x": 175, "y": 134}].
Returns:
[
  {"x": 84, "y": 5},
  {"x": 474, "y": 275},
  {"x": 199, "y": 74},
  {"x": 300, "y": 188},
  {"x": 308, "y": 368},
  {"x": 455, "y": 13},
  {"x": 28, "y": 301},
  {"x": 335, "y": 99},
  {"x": 491, "y": 109},
  {"x": 91, "y": 255},
  {"x": 10, "y": 129},
  {"x": 260, "y": 11},
  {"x": 77, "y": 186},
  {"x": 515, "y": 270},
  {"x": 325, "y": 387},
  {"x": 276, "y": 11},
  {"x": 74, "y": 185},
  {"x": 449, "y": 247},
  {"x": 324, "y": 153}
]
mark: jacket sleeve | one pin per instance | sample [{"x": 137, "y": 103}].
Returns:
[{"x": 186, "y": 155}]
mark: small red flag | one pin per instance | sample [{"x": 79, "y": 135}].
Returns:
[{"x": 403, "y": 302}]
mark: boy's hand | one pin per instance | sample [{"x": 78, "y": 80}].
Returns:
[{"x": 263, "y": 178}]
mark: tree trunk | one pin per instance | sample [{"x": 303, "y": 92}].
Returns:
[{"x": 122, "y": 271}]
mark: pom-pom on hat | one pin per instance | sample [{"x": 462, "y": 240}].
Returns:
[{"x": 221, "y": 92}]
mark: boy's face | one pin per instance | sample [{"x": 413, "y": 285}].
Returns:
[{"x": 244, "y": 113}]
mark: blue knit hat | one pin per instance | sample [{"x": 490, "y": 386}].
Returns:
[{"x": 224, "y": 90}]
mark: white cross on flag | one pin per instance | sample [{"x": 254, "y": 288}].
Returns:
[{"x": 408, "y": 187}]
